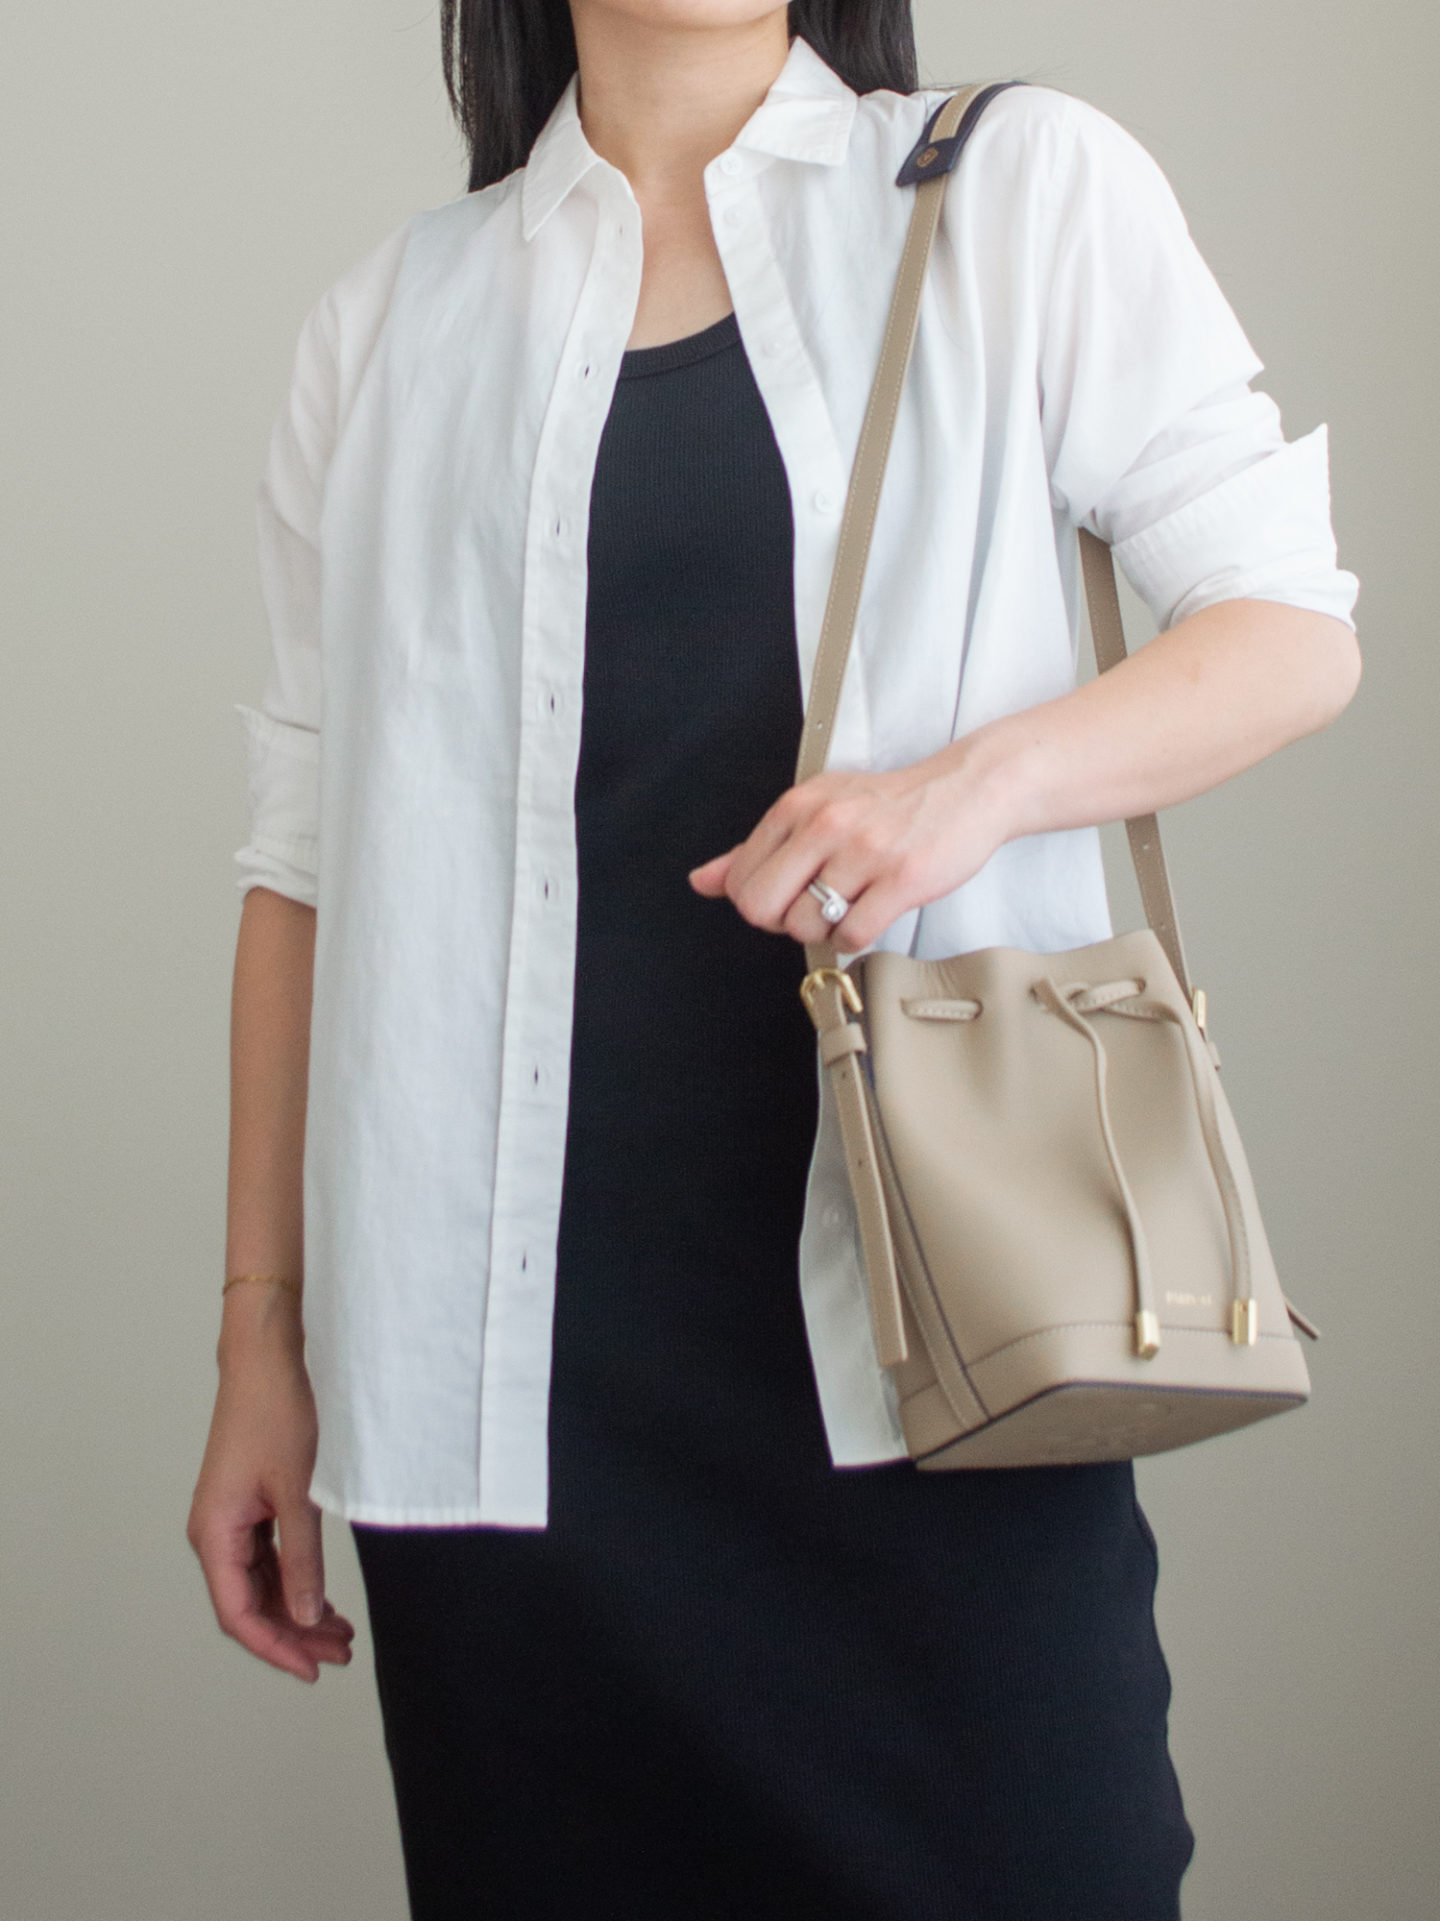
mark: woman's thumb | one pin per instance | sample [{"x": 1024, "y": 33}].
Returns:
[
  {"x": 302, "y": 1568},
  {"x": 709, "y": 877}
]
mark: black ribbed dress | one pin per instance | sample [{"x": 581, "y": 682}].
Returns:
[{"x": 728, "y": 1681}]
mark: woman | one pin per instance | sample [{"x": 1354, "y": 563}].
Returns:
[{"x": 664, "y": 1623}]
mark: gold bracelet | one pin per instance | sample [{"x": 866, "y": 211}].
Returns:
[{"x": 280, "y": 1280}]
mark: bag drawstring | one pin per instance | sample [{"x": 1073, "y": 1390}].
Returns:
[{"x": 1074, "y": 1003}]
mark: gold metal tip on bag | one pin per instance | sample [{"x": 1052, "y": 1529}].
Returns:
[
  {"x": 1197, "y": 1003},
  {"x": 1147, "y": 1334},
  {"x": 1245, "y": 1322},
  {"x": 816, "y": 979}
]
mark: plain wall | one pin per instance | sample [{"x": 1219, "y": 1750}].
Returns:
[{"x": 179, "y": 184}]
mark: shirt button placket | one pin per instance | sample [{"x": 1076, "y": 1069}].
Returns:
[{"x": 550, "y": 713}]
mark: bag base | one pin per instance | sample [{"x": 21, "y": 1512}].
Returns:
[{"x": 1082, "y": 1421}]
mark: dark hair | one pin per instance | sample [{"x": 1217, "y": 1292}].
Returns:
[{"x": 508, "y": 61}]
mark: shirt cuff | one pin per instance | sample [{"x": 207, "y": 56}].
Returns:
[
  {"x": 284, "y": 804},
  {"x": 1262, "y": 534}
]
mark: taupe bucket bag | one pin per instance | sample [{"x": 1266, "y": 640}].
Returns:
[{"x": 1063, "y": 1248}]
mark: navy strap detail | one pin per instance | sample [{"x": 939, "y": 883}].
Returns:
[{"x": 928, "y": 159}]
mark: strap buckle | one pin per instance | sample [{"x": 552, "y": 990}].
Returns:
[{"x": 817, "y": 978}]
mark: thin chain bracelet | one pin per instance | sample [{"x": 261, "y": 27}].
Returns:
[{"x": 280, "y": 1280}]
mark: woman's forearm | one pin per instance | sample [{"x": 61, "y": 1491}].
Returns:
[
  {"x": 252, "y": 1523},
  {"x": 269, "y": 1062},
  {"x": 1201, "y": 703},
  {"x": 1197, "y": 705}
]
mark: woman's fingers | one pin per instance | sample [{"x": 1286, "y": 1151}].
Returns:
[
  {"x": 242, "y": 1572},
  {"x": 804, "y": 922},
  {"x": 330, "y": 1641},
  {"x": 873, "y": 907},
  {"x": 322, "y": 1631},
  {"x": 709, "y": 877},
  {"x": 733, "y": 873},
  {"x": 887, "y": 842},
  {"x": 311, "y": 1622},
  {"x": 726, "y": 873},
  {"x": 839, "y": 838},
  {"x": 244, "y": 1581},
  {"x": 302, "y": 1570}
]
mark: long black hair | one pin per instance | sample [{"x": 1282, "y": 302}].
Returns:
[{"x": 507, "y": 63}]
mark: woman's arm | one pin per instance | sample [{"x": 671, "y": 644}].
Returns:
[
  {"x": 261, "y": 1450},
  {"x": 1154, "y": 442},
  {"x": 1194, "y": 707},
  {"x": 260, "y": 1455},
  {"x": 269, "y": 1063},
  {"x": 1217, "y": 693}
]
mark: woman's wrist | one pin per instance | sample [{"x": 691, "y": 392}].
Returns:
[
  {"x": 260, "y": 1319},
  {"x": 990, "y": 775}
]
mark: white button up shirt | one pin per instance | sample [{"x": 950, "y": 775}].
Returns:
[{"x": 423, "y": 529}]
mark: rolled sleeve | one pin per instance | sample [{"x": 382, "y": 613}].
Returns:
[
  {"x": 1155, "y": 439},
  {"x": 1263, "y": 533},
  {"x": 282, "y": 734},
  {"x": 283, "y": 775}
]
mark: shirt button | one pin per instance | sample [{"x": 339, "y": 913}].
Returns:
[
  {"x": 833, "y": 1216},
  {"x": 730, "y": 163},
  {"x": 825, "y": 501},
  {"x": 775, "y": 345},
  {"x": 733, "y": 216}
]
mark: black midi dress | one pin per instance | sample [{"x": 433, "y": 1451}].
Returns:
[{"x": 728, "y": 1680}]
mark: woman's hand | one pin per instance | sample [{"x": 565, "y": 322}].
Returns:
[
  {"x": 268, "y": 1596},
  {"x": 888, "y": 842},
  {"x": 1202, "y": 702}
]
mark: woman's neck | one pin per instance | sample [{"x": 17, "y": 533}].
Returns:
[{"x": 659, "y": 100}]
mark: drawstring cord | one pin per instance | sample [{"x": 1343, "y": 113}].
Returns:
[{"x": 1074, "y": 1003}]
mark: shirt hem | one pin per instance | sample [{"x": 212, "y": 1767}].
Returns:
[
  {"x": 844, "y": 1461},
  {"x": 379, "y": 1515}
]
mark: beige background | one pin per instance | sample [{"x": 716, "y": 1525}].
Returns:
[{"x": 179, "y": 183}]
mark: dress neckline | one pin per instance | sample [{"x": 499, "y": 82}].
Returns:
[{"x": 670, "y": 354}]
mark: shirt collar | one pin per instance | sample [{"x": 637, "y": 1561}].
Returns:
[{"x": 806, "y": 115}]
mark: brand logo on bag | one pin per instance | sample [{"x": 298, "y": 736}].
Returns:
[{"x": 1189, "y": 1300}]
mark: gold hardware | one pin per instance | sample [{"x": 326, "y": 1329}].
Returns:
[
  {"x": 1147, "y": 1334},
  {"x": 1245, "y": 1322},
  {"x": 927, "y": 158},
  {"x": 816, "y": 979},
  {"x": 1197, "y": 1003}
]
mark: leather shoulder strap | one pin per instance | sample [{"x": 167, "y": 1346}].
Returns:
[
  {"x": 929, "y": 166},
  {"x": 1147, "y": 854},
  {"x": 868, "y": 473}
]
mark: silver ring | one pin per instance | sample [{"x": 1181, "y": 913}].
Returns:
[{"x": 833, "y": 907}]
